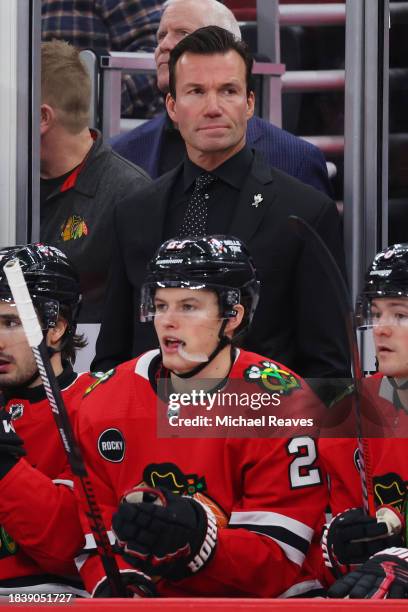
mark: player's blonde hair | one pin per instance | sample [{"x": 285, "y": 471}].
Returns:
[{"x": 65, "y": 84}]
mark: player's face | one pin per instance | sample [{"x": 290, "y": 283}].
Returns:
[
  {"x": 390, "y": 329},
  {"x": 212, "y": 107},
  {"x": 178, "y": 20},
  {"x": 187, "y": 323},
  {"x": 17, "y": 364}
]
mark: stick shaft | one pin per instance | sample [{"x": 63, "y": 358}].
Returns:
[
  {"x": 325, "y": 258},
  {"x": 35, "y": 338}
]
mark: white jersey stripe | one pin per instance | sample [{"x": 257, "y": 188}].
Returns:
[
  {"x": 143, "y": 363},
  {"x": 272, "y": 519},
  {"x": 292, "y": 553},
  {"x": 301, "y": 588},
  {"x": 67, "y": 483}
]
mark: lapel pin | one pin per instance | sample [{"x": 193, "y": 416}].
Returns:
[{"x": 257, "y": 200}]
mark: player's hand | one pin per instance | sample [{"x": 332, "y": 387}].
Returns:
[
  {"x": 11, "y": 445},
  {"x": 136, "y": 584},
  {"x": 164, "y": 534},
  {"x": 383, "y": 576},
  {"x": 352, "y": 536}
]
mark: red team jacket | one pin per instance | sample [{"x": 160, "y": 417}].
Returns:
[
  {"x": 40, "y": 531},
  {"x": 268, "y": 491}
]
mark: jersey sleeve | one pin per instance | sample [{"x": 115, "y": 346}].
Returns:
[
  {"x": 263, "y": 550},
  {"x": 88, "y": 561},
  {"x": 41, "y": 515}
]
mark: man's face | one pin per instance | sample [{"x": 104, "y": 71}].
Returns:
[
  {"x": 212, "y": 107},
  {"x": 187, "y": 323},
  {"x": 17, "y": 364},
  {"x": 390, "y": 320},
  {"x": 178, "y": 20}
]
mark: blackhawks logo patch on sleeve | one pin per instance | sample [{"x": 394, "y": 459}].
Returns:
[
  {"x": 100, "y": 377},
  {"x": 273, "y": 378}
]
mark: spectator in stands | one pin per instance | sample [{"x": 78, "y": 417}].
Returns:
[
  {"x": 157, "y": 146},
  {"x": 81, "y": 178},
  {"x": 298, "y": 321},
  {"x": 110, "y": 25}
]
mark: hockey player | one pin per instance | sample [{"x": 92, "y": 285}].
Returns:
[
  {"x": 352, "y": 538},
  {"x": 224, "y": 517},
  {"x": 40, "y": 530}
]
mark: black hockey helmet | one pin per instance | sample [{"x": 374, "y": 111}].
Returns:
[
  {"x": 218, "y": 263},
  {"x": 51, "y": 279},
  {"x": 386, "y": 277}
]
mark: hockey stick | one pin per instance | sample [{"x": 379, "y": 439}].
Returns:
[
  {"x": 37, "y": 343},
  {"x": 331, "y": 269}
]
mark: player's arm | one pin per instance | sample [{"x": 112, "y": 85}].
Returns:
[
  {"x": 38, "y": 513},
  {"x": 260, "y": 553}
]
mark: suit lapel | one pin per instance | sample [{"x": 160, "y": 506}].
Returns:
[{"x": 255, "y": 199}]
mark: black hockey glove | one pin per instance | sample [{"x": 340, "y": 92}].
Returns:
[
  {"x": 352, "y": 537},
  {"x": 383, "y": 576},
  {"x": 11, "y": 445},
  {"x": 135, "y": 583},
  {"x": 164, "y": 534}
]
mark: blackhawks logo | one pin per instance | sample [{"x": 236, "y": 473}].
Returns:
[
  {"x": 75, "y": 227},
  {"x": 271, "y": 377},
  {"x": 390, "y": 490},
  {"x": 169, "y": 476}
]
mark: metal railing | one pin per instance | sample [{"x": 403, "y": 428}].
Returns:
[{"x": 113, "y": 64}]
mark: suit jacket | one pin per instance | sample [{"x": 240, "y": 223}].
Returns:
[
  {"x": 280, "y": 149},
  {"x": 297, "y": 322}
]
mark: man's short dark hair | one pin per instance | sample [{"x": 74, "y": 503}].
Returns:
[{"x": 209, "y": 41}]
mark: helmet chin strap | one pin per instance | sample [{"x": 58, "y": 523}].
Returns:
[{"x": 223, "y": 342}]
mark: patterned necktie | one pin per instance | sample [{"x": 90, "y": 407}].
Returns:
[{"x": 195, "y": 218}]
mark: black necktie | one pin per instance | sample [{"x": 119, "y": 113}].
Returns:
[{"x": 195, "y": 219}]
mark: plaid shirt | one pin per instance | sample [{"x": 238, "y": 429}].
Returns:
[{"x": 111, "y": 25}]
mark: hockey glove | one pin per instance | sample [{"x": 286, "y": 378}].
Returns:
[
  {"x": 383, "y": 576},
  {"x": 136, "y": 585},
  {"x": 164, "y": 534},
  {"x": 11, "y": 445},
  {"x": 352, "y": 537}
]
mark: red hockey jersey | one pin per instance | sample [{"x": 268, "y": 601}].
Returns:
[
  {"x": 40, "y": 531},
  {"x": 268, "y": 492},
  {"x": 385, "y": 418}
]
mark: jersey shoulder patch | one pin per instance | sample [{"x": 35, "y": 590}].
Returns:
[
  {"x": 100, "y": 377},
  {"x": 272, "y": 377}
]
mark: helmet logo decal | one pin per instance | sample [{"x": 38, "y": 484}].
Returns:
[
  {"x": 176, "y": 245},
  {"x": 75, "y": 227},
  {"x": 270, "y": 376}
]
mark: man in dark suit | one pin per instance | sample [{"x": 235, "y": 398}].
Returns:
[
  {"x": 297, "y": 322},
  {"x": 157, "y": 146}
]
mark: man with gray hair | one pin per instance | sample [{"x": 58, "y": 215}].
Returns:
[{"x": 157, "y": 145}]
